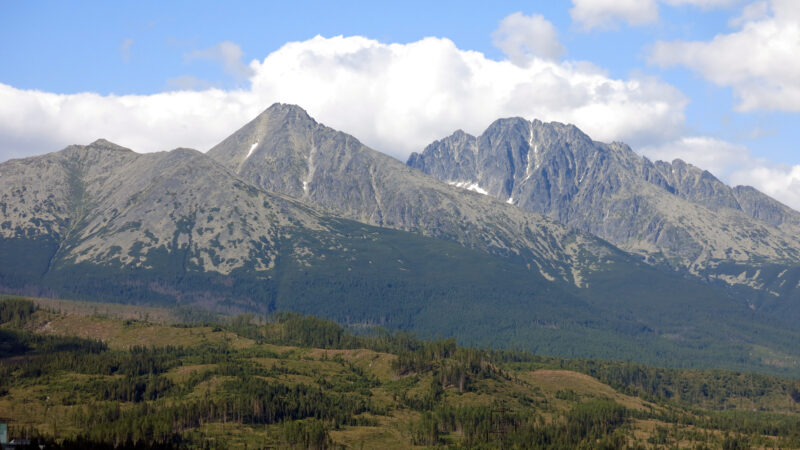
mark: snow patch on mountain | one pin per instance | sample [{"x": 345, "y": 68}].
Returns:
[
  {"x": 252, "y": 148},
  {"x": 469, "y": 185}
]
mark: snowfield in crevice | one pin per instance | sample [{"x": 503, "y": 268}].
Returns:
[{"x": 469, "y": 185}]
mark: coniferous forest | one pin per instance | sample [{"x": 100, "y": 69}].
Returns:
[{"x": 153, "y": 378}]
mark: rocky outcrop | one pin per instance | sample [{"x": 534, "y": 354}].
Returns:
[
  {"x": 670, "y": 213},
  {"x": 106, "y": 204},
  {"x": 286, "y": 151}
]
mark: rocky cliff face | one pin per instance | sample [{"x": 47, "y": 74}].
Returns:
[
  {"x": 671, "y": 213},
  {"x": 284, "y": 150},
  {"x": 106, "y": 204}
]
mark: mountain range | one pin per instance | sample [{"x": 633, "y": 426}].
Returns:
[
  {"x": 673, "y": 215},
  {"x": 531, "y": 235}
]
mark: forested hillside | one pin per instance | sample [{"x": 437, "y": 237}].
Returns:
[{"x": 79, "y": 377}]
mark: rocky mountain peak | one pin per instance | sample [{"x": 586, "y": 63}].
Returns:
[
  {"x": 184, "y": 152},
  {"x": 278, "y": 150},
  {"x": 288, "y": 111},
  {"x": 673, "y": 212},
  {"x": 97, "y": 148},
  {"x": 505, "y": 125},
  {"x": 97, "y": 159},
  {"x": 107, "y": 145},
  {"x": 278, "y": 117},
  {"x": 507, "y": 155},
  {"x": 279, "y": 121},
  {"x": 697, "y": 185},
  {"x": 312, "y": 162}
]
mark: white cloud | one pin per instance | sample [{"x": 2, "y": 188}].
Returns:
[
  {"x": 523, "y": 38},
  {"x": 396, "y": 98},
  {"x": 759, "y": 62},
  {"x": 125, "y": 49},
  {"x": 608, "y": 14},
  {"x": 752, "y": 12},
  {"x": 226, "y": 53},
  {"x": 34, "y": 122}
]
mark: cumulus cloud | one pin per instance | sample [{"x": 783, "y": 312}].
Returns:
[
  {"x": 399, "y": 98},
  {"x": 610, "y": 14},
  {"x": 523, "y": 38},
  {"x": 752, "y": 12},
  {"x": 396, "y": 98},
  {"x": 759, "y": 61},
  {"x": 34, "y": 122},
  {"x": 226, "y": 53}
]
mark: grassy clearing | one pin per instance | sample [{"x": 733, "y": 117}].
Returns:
[{"x": 426, "y": 395}]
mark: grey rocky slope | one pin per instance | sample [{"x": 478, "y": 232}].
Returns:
[
  {"x": 284, "y": 150},
  {"x": 103, "y": 222},
  {"x": 671, "y": 213},
  {"x": 103, "y": 203}
]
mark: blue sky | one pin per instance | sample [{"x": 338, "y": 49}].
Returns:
[
  {"x": 671, "y": 96},
  {"x": 78, "y": 48}
]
